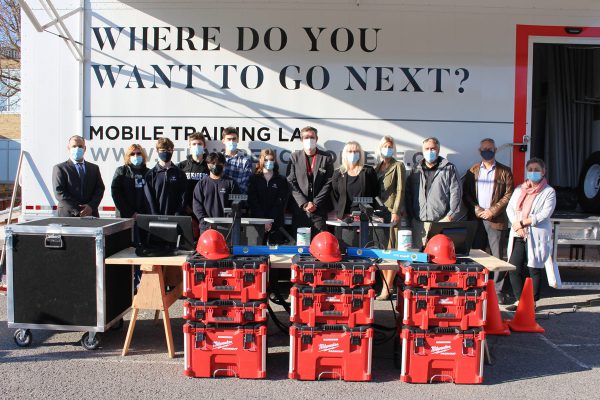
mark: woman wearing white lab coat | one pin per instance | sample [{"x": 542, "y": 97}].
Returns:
[{"x": 530, "y": 240}]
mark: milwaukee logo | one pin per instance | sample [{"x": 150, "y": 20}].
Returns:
[
  {"x": 442, "y": 350},
  {"x": 226, "y": 273},
  {"x": 330, "y": 348},
  {"x": 333, "y": 299},
  {"x": 224, "y": 345},
  {"x": 445, "y": 301}
]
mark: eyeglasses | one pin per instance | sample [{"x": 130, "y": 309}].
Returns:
[{"x": 138, "y": 153}]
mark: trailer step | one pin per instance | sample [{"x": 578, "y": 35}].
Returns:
[{"x": 580, "y": 285}]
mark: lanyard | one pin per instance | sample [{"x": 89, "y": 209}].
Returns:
[{"x": 311, "y": 166}]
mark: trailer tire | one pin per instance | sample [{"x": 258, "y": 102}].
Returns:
[
  {"x": 589, "y": 184},
  {"x": 23, "y": 337}
]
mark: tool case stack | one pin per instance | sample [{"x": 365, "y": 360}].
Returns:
[
  {"x": 442, "y": 311},
  {"x": 226, "y": 312},
  {"x": 331, "y": 313}
]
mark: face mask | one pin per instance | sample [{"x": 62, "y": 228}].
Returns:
[
  {"x": 136, "y": 161},
  {"x": 165, "y": 156},
  {"x": 387, "y": 152},
  {"x": 231, "y": 146},
  {"x": 309, "y": 144},
  {"x": 430, "y": 155},
  {"x": 352, "y": 158},
  {"x": 269, "y": 165},
  {"x": 77, "y": 153},
  {"x": 487, "y": 155},
  {"x": 197, "y": 150},
  {"x": 217, "y": 170},
  {"x": 534, "y": 176}
]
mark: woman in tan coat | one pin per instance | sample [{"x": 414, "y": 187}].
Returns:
[{"x": 390, "y": 174}]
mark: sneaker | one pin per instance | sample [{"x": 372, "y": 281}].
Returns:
[{"x": 512, "y": 307}]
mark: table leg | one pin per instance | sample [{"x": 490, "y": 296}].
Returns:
[
  {"x": 168, "y": 333},
  {"x": 156, "y": 315},
  {"x": 130, "y": 332}
]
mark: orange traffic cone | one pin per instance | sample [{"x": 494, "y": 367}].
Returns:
[
  {"x": 524, "y": 320},
  {"x": 494, "y": 324}
]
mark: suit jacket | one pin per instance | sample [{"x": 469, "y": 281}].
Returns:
[
  {"x": 65, "y": 182},
  {"x": 392, "y": 188},
  {"x": 503, "y": 189},
  {"x": 368, "y": 183},
  {"x": 298, "y": 180}
]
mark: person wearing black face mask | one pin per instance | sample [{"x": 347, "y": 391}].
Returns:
[
  {"x": 487, "y": 188},
  {"x": 165, "y": 183},
  {"x": 211, "y": 194}
]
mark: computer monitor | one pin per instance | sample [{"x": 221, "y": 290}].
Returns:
[
  {"x": 164, "y": 234},
  {"x": 462, "y": 234}
]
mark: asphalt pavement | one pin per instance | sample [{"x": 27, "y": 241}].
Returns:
[{"x": 564, "y": 362}]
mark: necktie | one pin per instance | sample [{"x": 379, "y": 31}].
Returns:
[{"x": 81, "y": 172}]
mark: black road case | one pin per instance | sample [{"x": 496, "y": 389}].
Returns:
[{"x": 57, "y": 278}]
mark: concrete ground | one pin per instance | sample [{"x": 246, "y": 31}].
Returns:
[{"x": 562, "y": 363}]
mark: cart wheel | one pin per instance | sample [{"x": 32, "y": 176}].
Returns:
[
  {"x": 89, "y": 343},
  {"x": 118, "y": 326},
  {"x": 397, "y": 352},
  {"x": 22, "y": 337}
]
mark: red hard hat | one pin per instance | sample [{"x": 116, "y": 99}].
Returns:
[
  {"x": 441, "y": 249},
  {"x": 325, "y": 247},
  {"x": 212, "y": 245}
]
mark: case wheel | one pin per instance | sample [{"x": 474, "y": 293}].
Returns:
[
  {"x": 22, "y": 337},
  {"x": 90, "y": 343}
]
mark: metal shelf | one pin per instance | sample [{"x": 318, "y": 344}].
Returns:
[
  {"x": 565, "y": 262},
  {"x": 581, "y": 285},
  {"x": 581, "y": 242}
]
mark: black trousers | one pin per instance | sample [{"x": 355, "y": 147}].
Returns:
[
  {"x": 518, "y": 258},
  {"x": 302, "y": 219}
]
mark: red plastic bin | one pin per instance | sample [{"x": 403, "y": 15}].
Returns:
[
  {"x": 442, "y": 355},
  {"x": 465, "y": 274},
  {"x": 225, "y": 350},
  {"x": 442, "y": 307},
  {"x": 307, "y": 270},
  {"x": 234, "y": 278},
  {"x": 330, "y": 352},
  {"x": 332, "y": 305},
  {"x": 225, "y": 311}
]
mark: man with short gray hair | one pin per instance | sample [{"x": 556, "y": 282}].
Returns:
[{"x": 433, "y": 192}]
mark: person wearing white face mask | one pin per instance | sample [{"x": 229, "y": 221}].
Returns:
[
  {"x": 391, "y": 175},
  {"x": 238, "y": 166},
  {"x": 352, "y": 179},
  {"x": 530, "y": 240},
  {"x": 195, "y": 168},
  {"x": 433, "y": 192},
  {"x": 77, "y": 183},
  {"x": 268, "y": 193},
  {"x": 309, "y": 175}
]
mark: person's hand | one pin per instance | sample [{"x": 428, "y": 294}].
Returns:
[
  {"x": 134, "y": 216},
  {"x": 486, "y": 214},
  {"x": 268, "y": 227},
  {"x": 310, "y": 207},
  {"x": 85, "y": 210},
  {"x": 516, "y": 226},
  {"x": 395, "y": 219},
  {"x": 521, "y": 232},
  {"x": 447, "y": 218}
]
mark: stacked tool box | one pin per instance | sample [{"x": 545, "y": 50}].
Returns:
[
  {"x": 226, "y": 310},
  {"x": 331, "y": 313},
  {"x": 442, "y": 312}
]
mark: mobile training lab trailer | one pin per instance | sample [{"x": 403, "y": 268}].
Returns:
[{"x": 123, "y": 72}]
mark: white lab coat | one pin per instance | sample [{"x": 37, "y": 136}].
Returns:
[{"x": 539, "y": 239}]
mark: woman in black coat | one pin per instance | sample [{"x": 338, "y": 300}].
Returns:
[
  {"x": 128, "y": 183},
  {"x": 268, "y": 193}
]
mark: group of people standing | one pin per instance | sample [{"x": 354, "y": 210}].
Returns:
[{"x": 312, "y": 189}]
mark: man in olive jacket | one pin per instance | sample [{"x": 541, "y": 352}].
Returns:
[{"x": 487, "y": 188}]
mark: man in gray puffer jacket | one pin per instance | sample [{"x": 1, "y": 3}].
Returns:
[{"x": 433, "y": 192}]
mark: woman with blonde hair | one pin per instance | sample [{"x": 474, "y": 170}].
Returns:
[
  {"x": 128, "y": 183},
  {"x": 390, "y": 176},
  {"x": 352, "y": 179}
]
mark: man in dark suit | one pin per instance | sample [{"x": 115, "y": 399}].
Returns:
[
  {"x": 77, "y": 184},
  {"x": 309, "y": 174}
]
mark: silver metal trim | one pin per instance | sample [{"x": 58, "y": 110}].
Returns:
[
  {"x": 120, "y": 224},
  {"x": 10, "y": 305},
  {"x": 100, "y": 279},
  {"x": 51, "y": 327}
]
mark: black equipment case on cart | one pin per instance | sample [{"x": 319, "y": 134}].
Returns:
[{"x": 57, "y": 278}]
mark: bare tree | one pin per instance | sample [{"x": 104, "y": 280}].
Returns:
[{"x": 10, "y": 47}]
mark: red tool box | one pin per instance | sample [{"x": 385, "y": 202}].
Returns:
[
  {"x": 225, "y": 311},
  {"x": 330, "y": 352},
  {"x": 307, "y": 270},
  {"x": 225, "y": 350},
  {"x": 465, "y": 274},
  {"x": 442, "y": 307},
  {"x": 332, "y": 305},
  {"x": 234, "y": 278},
  {"x": 442, "y": 355}
]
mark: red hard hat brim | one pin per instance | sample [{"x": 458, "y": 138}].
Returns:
[
  {"x": 442, "y": 260},
  {"x": 329, "y": 258},
  {"x": 217, "y": 256}
]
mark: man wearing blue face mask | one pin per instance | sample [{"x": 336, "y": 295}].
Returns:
[
  {"x": 77, "y": 184},
  {"x": 238, "y": 166},
  {"x": 433, "y": 192},
  {"x": 195, "y": 168},
  {"x": 165, "y": 183},
  {"x": 487, "y": 188}
]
